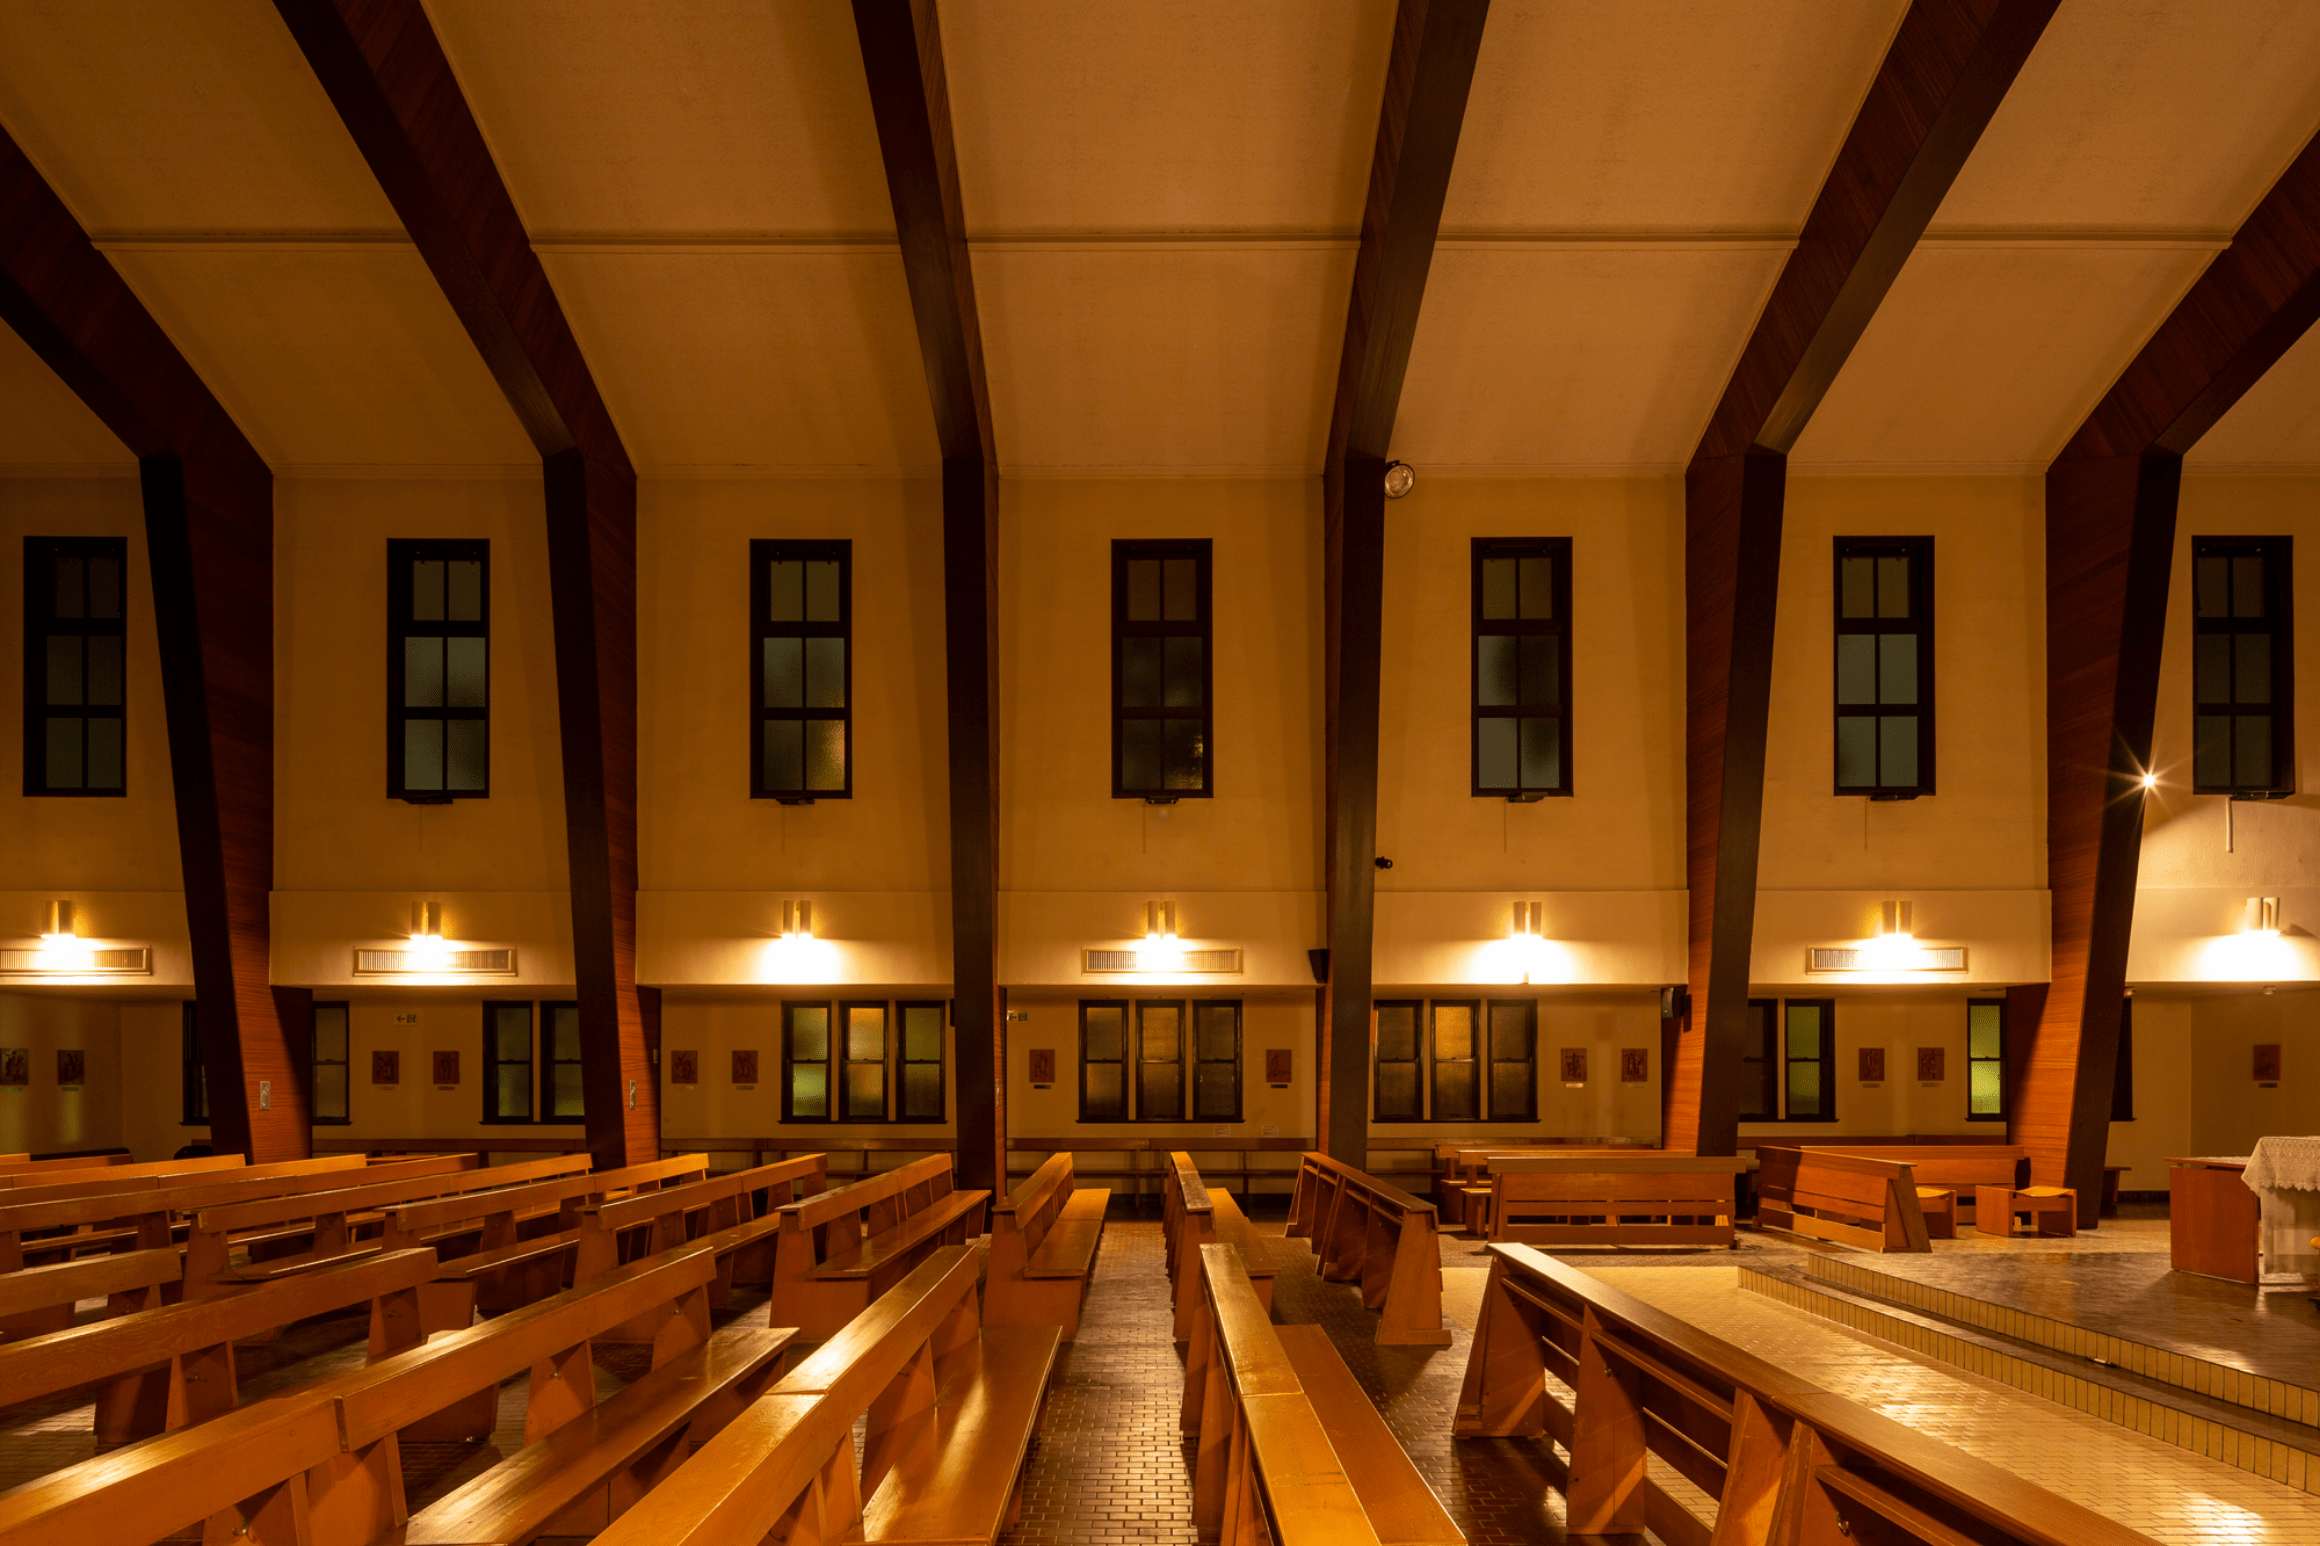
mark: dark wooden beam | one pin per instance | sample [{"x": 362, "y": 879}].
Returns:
[
  {"x": 902, "y": 59},
  {"x": 1948, "y": 68},
  {"x": 1428, "y": 74},
  {"x": 2110, "y": 545},
  {"x": 209, "y": 526},
  {"x": 385, "y": 72}
]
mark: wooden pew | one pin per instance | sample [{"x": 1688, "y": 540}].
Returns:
[
  {"x": 193, "y": 1344},
  {"x": 1641, "y": 1198},
  {"x": 1194, "y": 1214},
  {"x": 1044, "y": 1238},
  {"x": 1851, "y": 1199},
  {"x": 839, "y": 1251},
  {"x": 1463, "y": 1188},
  {"x": 1784, "y": 1459},
  {"x": 1268, "y": 1460},
  {"x": 950, "y": 1406},
  {"x": 1946, "y": 1167},
  {"x": 38, "y": 1300},
  {"x": 15, "y": 1168},
  {"x": 1380, "y": 1237},
  {"x": 721, "y": 1210}
]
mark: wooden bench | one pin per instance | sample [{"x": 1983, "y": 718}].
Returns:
[
  {"x": 171, "y": 1365},
  {"x": 1276, "y": 1456},
  {"x": 1957, "y": 1168},
  {"x": 1194, "y": 1214},
  {"x": 730, "y": 1209},
  {"x": 2053, "y": 1210},
  {"x": 1850, "y": 1199},
  {"x": 1781, "y": 1458},
  {"x": 1379, "y": 1236},
  {"x": 1646, "y": 1198},
  {"x": 1464, "y": 1187},
  {"x": 37, "y": 1300},
  {"x": 1044, "y": 1237},
  {"x": 837, "y": 1252},
  {"x": 948, "y": 1407}
]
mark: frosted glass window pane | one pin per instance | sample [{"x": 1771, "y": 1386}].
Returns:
[
  {"x": 866, "y": 1092},
  {"x": 1397, "y": 1093},
  {"x": 825, "y": 673},
  {"x": 1985, "y": 1089},
  {"x": 514, "y": 1089},
  {"x": 1397, "y": 1031},
  {"x": 564, "y": 1091},
  {"x": 1453, "y": 1031},
  {"x": 1183, "y": 587},
  {"x": 922, "y": 1091},
  {"x": 1538, "y": 587},
  {"x": 1454, "y": 1092},
  {"x": 785, "y": 754},
  {"x": 1143, "y": 590},
  {"x": 64, "y": 668},
  {"x": 1216, "y": 1030},
  {"x": 2211, "y": 668},
  {"x": 1214, "y": 1095},
  {"x": 330, "y": 1092},
  {"x": 466, "y": 745},
  {"x": 1494, "y": 670},
  {"x": 809, "y": 1033},
  {"x": 463, "y": 587},
  {"x": 2252, "y": 751},
  {"x": 466, "y": 674},
  {"x": 70, "y": 587},
  {"x": 1856, "y": 752},
  {"x": 1897, "y": 751},
  {"x": 329, "y": 1035},
  {"x": 1186, "y": 754},
  {"x": 1856, "y": 668},
  {"x": 825, "y": 754},
  {"x": 564, "y": 1033},
  {"x": 809, "y": 1090},
  {"x": 1161, "y": 1028},
  {"x": 785, "y": 673},
  {"x": 1892, "y": 587},
  {"x": 1141, "y": 673},
  {"x": 1510, "y": 1032},
  {"x": 1103, "y": 1093},
  {"x": 1804, "y": 1089},
  {"x": 922, "y": 1033},
  {"x": 1498, "y": 587},
  {"x": 1857, "y": 587},
  {"x": 422, "y": 754},
  {"x": 423, "y": 672},
  {"x": 511, "y": 1032},
  {"x": 866, "y": 1033},
  {"x": 1160, "y": 1092},
  {"x": 1140, "y": 754},
  {"x": 1542, "y": 754},
  {"x": 1183, "y": 672},
  {"x": 1541, "y": 665},
  {"x": 104, "y": 769},
  {"x": 2247, "y": 587},
  {"x": 104, "y": 587},
  {"x": 2251, "y": 669},
  {"x": 1984, "y": 1033},
  {"x": 785, "y": 593},
  {"x": 427, "y": 590},
  {"x": 2211, "y": 751},
  {"x": 822, "y": 602},
  {"x": 1511, "y": 1090},
  {"x": 1897, "y": 668},
  {"x": 1103, "y": 1036},
  {"x": 1496, "y": 753},
  {"x": 2214, "y": 587},
  {"x": 105, "y": 669},
  {"x": 1804, "y": 1031}
]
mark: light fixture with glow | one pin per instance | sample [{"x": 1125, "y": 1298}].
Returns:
[
  {"x": 2150, "y": 781},
  {"x": 63, "y": 926},
  {"x": 2263, "y": 916},
  {"x": 1896, "y": 922},
  {"x": 1159, "y": 923},
  {"x": 1400, "y": 479},
  {"x": 427, "y": 923},
  {"x": 797, "y": 920},
  {"x": 1527, "y": 922}
]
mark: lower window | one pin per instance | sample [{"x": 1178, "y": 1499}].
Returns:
[
  {"x": 863, "y": 1061},
  {"x": 330, "y": 1064},
  {"x": 1455, "y": 1060},
  {"x": 1185, "y": 1057}
]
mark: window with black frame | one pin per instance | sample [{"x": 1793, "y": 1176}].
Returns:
[
  {"x": 1103, "y": 1060},
  {"x": 802, "y": 672},
  {"x": 1396, "y": 1063},
  {"x": 862, "y": 1095},
  {"x": 2123, "y": 1068},
  {"x": 1216, "y": 1066},
  {"x": 563, "y": 1097},
  {"x": 507, "y": 1062},
  {"x": 805, "y": 1062},
  {"x": 193, "y": 1085},
  {"x": 1457, "y": 1061},
  {"x": 75, "y": 666},
  {"x": 1159, "y": 1060},
  {"x": 1514, "y": 1060},
  {"x": 1811, "y": 1034},
  {"x": 438, "y": 670},
  {"x": 1162, "y": 678},
  {"x": 1986, "y": 1059},
  {"x": 1522, "y": 667},
  {"x": 330, "y": 1108},
  {"x": 921, "y": 1091},
  {"x": 1884, "y": 667},
  {"x": 1757, "y": 1061},
  {"x": 2242, "y": 677}
]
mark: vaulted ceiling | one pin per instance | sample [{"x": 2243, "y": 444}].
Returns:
[{"x": 1163, "y": 202}]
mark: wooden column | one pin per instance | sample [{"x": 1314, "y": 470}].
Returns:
[
  {"x": 1428, "y": 75},
  {"x": 902, "y": 59},
  {"x": 2110, "y": 544},
  {"x": 209, "y": 524},
  {"x": 1948, "y": 68},
  {"x": 384, "y": 71}
]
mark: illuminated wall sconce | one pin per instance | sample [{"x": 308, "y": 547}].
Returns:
[
  {"x": 2263, "y": 916},
  {"x": 1894, "y": 949},
  {"x": 1895, "y": 922},
  {"x": 60, "y": 953},
  {"x": 62, "y": 925},
  {"x": 1159, "y": 924},
  {"x": 797, "y": 920},
  {"x": 1529, "y": 921},
  {"x": 427, "y": 925}
]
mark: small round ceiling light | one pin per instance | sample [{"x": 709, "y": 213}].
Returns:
[{"x": 1400, "y": 479}]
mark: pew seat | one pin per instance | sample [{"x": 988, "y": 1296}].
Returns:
[
  {"x": 1044, "y": 1239},
  {"x": 1400, "y": 1506},
  {"x": 955, "y": 1478},
  {"x": 899, "y": 1242},
  {"x": 1939, "y": 1205},
  {"x": 839, "y": 1251}
]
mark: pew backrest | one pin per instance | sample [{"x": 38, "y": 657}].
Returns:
[
  {"x": 407, "y": 1221},
  {"x": 65, "y": 1283},
  {"x": 1033, "y": 1206},
  {"x": 367, "y": 1195},
  {"x": 1851, "y": 1199},
  {"x": 898, "y": 1191},
  {"x": 130, "y": 1178},
  {"x": 1958, "y": 1166}
]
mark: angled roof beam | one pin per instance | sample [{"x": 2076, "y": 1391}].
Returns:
[
  {"x": 902, "y": 58},
  {"x": 209, "y": 530},
  {"x": 385, "y": 72},
  {"x": 2110, "y": 541},
  {"x": 1428, "y": 74},
  {"x": 1948, "y": 68}
]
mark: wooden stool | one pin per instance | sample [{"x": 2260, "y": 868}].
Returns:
[
  {"x": 1939, "y": 1205},
  {"x": 2053, "y": 1210}
]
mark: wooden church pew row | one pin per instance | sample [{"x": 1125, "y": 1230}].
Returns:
[
  {"x": 837, "y": 1252},
  {"x": 193, "y": 1344},
  {"x": 1206, "y": 1215},
  {"x": 24, "y": 1170},
  {"x": 1044, "y": 1238},
  {"x": 1946, "y": 1167},
  {"x": 1381, "y": 1237},
  {"x": 1266, "y": 1461},
  {"x": 1648, "y": 1198},
  {"x": 86, "y": 1181},
  {"x": 145, "y": 1216},
  {"x": 721, "y": 1208},
  {"x": 1849, "y": 1199},
  {"x": 1465, "y": 1187},
  {"x": 1771, "y": 1447},
  {"x": 328, "y": 1220},
  {"x": 37, "y": 1300},
  {"x": 950, "y": 1405}
]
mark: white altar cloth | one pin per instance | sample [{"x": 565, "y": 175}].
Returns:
[{"x": 2284, "y": 1173}]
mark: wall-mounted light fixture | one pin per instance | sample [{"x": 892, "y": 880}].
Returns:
[
  {"x": 1896, "y": 921},
  {"x": 2263, "y": 916},
  {"x": 2150, "y": 781},
  {"x": 1527, "y": 921},
  {"x": 1894, "y": 948},
  {"x": 1159, "y": 923},
  {"x": 427, "y": 925},
  {"x": 797, "y": 920},
  {"x": 61, "y": 955},
  {"x": 62, "y": 926}
]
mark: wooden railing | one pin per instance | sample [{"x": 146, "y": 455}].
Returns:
[
  {"x": 1782, "y": 1459},
  {"x": 1379, "y": 1236}
]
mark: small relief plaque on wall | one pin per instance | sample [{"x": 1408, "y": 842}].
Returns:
[
  {"x": 745, "y": 1066},
  {"x": 446, "y": 1068},
  {"x": 1278, "y": 1063},
  {"x": 72, "y": 1067},
  {"x": 1574, "y": 1065},
  {"x": 1933, "y": 1064},
  {"x": 1635, "y": 1065},
  {"x": 15, "y": 1065},
  {"x": 1872, "y": 1065},
  {"x": 1041, "y": 1063},
  {"x": 684, "y": 1066},
  {"x": 386, "y": 1068},
  {"x": 2268, "y": 1063}
]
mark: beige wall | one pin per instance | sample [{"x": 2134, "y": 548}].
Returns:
[
  {"x": 43, "y": 1116},
  {"x": 152, "y": 1079},
  {"x": 2195, "y": 1086}
]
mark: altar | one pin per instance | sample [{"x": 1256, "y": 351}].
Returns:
[{"x": 2247, "y": 1219}]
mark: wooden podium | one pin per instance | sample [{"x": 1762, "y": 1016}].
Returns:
[{"x": 2211, "y": 1219}]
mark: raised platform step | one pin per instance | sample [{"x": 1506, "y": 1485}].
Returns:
[{"x": 2282, "y": 1448}]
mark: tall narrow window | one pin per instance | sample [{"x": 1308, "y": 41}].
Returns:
[
  {"x": 561, "y": 1097},
  {"x": 1457, "y": 1061},
  {"x": 1986, "y": 1059},
  {"x": 1160, "y": 1060},
  {"x": 862, "y": 1098},
  {"x": 1757, "y": 1061},
  {"x": 1103, "y": 1060},
  {"x": 1399, "y": 1097},
  {"x": 193, "y": 1087},
  {"x": 1216, "y": 1067},
  {"x": 1885, "y": 666},
  {"x": 2123, "y": 1071},
  {"x": 330, "y": 1064},
  {"x": 2242, "y": 684},
  {"x": 805, "y": 1062},
  {"x": 1162, "y": 680},
  {"x": 507, "y": 1062},
  {"x": 922, "y": 1062},
  {"x": 802, "y": 673},
  {"x": 1522, "y": 668},
  {"x": 438, "y": 670},
  {"x": 1812, "y": 1059},
  {"x": 75, "y": 666},
  {"x": 1514, "y": 1060}
]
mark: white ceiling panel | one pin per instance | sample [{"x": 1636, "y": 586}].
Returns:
[
  {"x": 1991, "y": 354},
  {"x": 2277, "y": 422},
  {"x": 657, "y": 116},
  {"x": 1192, "y": 115},
  {"x": 1576, "y": 354},
  {"x": 41, "y": 422},
  {"x": 764, "y": 356},
  {"x": 1201, "y": 357}
]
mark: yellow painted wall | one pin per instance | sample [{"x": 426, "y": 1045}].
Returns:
[
  {"x": 2167, "y": 1068},
  {"x": 42, "y": 1116},
  {"x": 152, "y": 1079},
  {"x": 1900, "y": 1021},
  {"x": 2195, "y": 1086}
]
